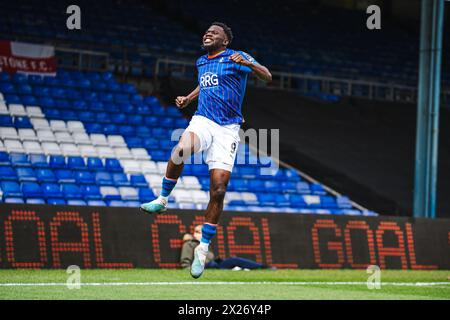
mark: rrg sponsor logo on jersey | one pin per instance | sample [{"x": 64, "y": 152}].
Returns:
[{"x": 209, "y": 79}]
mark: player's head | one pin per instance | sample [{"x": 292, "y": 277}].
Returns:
[{"x": 218, "y": 36}]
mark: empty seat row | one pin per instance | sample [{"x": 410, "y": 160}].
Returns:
[
  {"x": 277, "y": 209},
  {"x": 71, "y": 149},
  {"x": 20, "y": 110},
  {"x": 129, "y": 130},
  {"x": 107, "y": 117},
  {"x": 57, "y": 125},
  {"x": 71, "y": 176},
  {"x": 72, "y": 191},
  {"x": 185, "y": 182},
  {"x": 47, "y": 135},
  {"x": 59, "y": 91},
  {"x": 81, "y": 163},
  {"x": 62, "y": 75},
  {"x": 59, "y": 162},
  {"x": 93, "y": 192},
  {"x": 39, "y": 123},
  {"x": 128, "y": 108},
  {"x": 150, "y": 143}
]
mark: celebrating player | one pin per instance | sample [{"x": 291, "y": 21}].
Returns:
[{"x": 214, "y": 128}]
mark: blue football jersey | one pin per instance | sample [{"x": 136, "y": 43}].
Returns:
[{"x": 222, "y": 87}]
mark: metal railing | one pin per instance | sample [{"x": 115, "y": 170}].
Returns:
[{"x": 304, "y": 176}]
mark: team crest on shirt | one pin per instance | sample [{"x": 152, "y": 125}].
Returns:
[{"x": 209, "y": 80}]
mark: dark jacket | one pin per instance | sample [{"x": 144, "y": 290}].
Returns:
[{"x": 187, "y": 253}]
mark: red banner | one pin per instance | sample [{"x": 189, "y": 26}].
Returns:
[{"x": 27, "y": 58}]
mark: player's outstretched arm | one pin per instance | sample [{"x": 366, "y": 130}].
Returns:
[
  {"x": 259, "y": 70},
  {"x": 183, "y": 101}
]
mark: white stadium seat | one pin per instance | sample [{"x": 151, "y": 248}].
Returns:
[
  {"x": 81, "y": 138},
  {"x": 182, "y": 195},
  {"x": 105, "y": 152},
  {"x": 232, "y": 195},
  {"x": 1, "y": 97},
  {"x": 200, "y": 196},
  {"x": 122, "y": 153},
  {"x": 149, "y": 167},
  {"x": 109, "y": 191},
  {"x": 63, "y": 137},
  {"x": 88, "y": 151},
  {"x": 180, "y": 184},
  {"x": 51, "y": 148},
  {"x": 191, "y": 182},
  {"x": 186, "y": 206},
  {"x": 27, "y": 134},
  {"x": 116, "y": 141},
  {"x": 130, "y": 166},
  {"x": 140, "y": 154},
  {"x": 99, "y": 139},
  {"x": 3, "y": 108},
  {"x": 34, "y": 112},
  {"x": 133, "y": 203},
  {"x": 69, "y": 150},
  {"x": 13, "y": 146},
  {"x": 162, "y": 165},
  {"x": 58, "y": 125},
  {"x": 45, "y": 136},
  {"x": 310, "y": 199},
  {"x": 157, "y": 189},
  {"x": 17, "y": 110},
  {"x": 154, "y": 180},
  {"x": 128, "y": 193},
  {"x": 39, "y": 124},
  {"x": 2, "y": 146},
  {"x": 249, "y": 197},
  {"x": 32, "y": 147},
  {"x": 8, "y": 133},
  {"x": 75, "y": 126}
]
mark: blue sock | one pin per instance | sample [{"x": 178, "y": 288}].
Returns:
[
  {"x": 167, "y": 187},
  {"x": 208, "y": 232}
]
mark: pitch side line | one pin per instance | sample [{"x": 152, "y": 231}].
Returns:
[{"x": 190, "y": 283}]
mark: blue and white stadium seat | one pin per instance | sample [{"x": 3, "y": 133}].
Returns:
[{"x": 84, "y": 144}]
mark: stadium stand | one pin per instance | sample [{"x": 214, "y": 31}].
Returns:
[
  {"x": 146, "y": 30},
  {"x": 85, "y": 145}
]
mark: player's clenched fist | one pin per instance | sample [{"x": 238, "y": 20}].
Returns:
[
  {"x": 238, "y": 58},
  {"x": 181, "y": 101}
]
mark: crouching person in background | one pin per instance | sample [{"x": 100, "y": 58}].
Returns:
[{"x": 190, "y": 242}]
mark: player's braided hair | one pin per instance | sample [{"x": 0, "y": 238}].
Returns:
[{"x": 225, "y": 28}]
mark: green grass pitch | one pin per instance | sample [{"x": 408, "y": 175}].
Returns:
[{"x": 224, "y": 284}]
